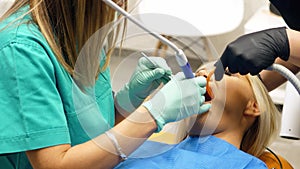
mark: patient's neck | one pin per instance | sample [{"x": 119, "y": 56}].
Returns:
[{"x": 232, "y": 137}]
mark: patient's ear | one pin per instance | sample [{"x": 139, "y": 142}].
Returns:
[{"x": 252, "y": 109}]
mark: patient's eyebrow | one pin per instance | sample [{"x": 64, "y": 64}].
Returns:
[{"x": 201, "y": 72}]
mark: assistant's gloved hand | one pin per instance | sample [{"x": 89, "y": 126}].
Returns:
[
  {"x": 254, "y": 52},
  {"x": 146, "y": 77},
  {"x": 178, "y": 99}
]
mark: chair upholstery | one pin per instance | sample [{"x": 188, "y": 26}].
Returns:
[{"x": 273, "y": 163}]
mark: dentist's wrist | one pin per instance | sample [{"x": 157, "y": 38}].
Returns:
[
  {"x": 122, "y": 100},
  {"x": 143, "y": 116}
]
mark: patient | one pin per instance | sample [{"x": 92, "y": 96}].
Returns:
[{"x": 248, "y": 122}]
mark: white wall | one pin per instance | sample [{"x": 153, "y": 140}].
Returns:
[
  {"x": 219, "y": 42},
  {"x": 4, "y": 5},
  {"x": 250, "y": 8}
]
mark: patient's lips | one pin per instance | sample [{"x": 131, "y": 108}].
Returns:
[{"x": 209, "y": 94}]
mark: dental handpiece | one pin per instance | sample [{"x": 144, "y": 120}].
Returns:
[{"x": 179, "y": 54}]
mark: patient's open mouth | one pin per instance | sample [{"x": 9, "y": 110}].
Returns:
[{"x": 209, "y": 93}]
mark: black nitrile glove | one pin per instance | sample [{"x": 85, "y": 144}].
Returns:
[{"x": 254, "y": 52}]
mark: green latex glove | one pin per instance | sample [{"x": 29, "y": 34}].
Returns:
[
  {"x": 178, "y": 99},
  {"x": 146, "y": 77}
]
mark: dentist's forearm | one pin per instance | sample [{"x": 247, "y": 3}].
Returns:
[
  {"x": 294, "y": 43},
  {"x": 99, "y": 152},
  {"x": 272, "y": 79}
]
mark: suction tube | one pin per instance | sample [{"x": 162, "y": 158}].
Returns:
[
  {"x": 180, "y": 56},
  {"x": 287, "y": 74}
]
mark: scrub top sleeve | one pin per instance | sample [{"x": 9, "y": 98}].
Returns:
[{"x": 32, "y": 114}]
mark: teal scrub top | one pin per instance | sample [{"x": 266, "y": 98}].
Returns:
[{"x": 37, "y": 96}]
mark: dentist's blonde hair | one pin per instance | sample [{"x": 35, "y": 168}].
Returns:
[
  {"x": 266, "y": 126},
  {"x": 68, "y": 24}
]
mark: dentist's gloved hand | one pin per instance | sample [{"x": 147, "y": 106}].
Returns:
[
  {"x": 178, "y": 99},
  {"x": 146, "y": 77},
  {"x": 254, "y": 52}
]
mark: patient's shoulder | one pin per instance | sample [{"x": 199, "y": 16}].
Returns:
[{"x": 272, "y": 162}]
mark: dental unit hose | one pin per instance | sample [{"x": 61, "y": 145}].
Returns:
[
  {"x": 287, "y": 74},
  {"x": 179, "y": 54}
]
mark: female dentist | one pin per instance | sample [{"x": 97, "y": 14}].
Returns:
[{"x": 40, "y": 126}]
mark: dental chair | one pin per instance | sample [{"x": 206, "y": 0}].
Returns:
[{"x": 275, "y": 161}]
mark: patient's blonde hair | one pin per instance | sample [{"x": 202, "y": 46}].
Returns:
[{"x": 266, "y": 126}]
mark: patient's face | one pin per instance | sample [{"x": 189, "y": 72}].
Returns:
[{"x": 238, "y": 93}]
